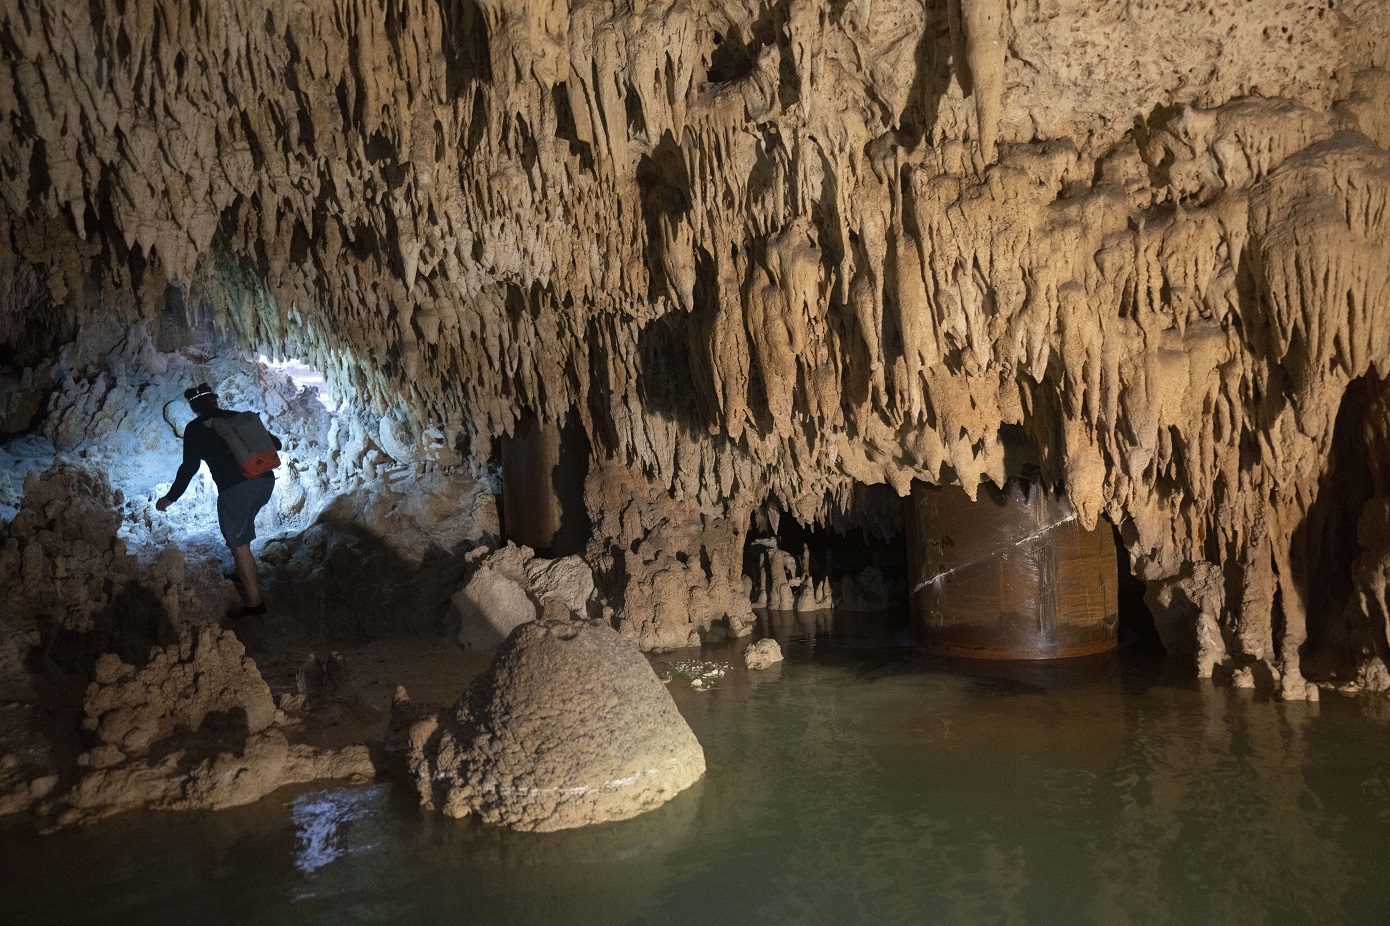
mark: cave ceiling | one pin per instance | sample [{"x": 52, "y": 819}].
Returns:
[{"x": 1141, "y": 249}]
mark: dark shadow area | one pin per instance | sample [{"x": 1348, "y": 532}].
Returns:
[
  {"x": 467, "y": 55},
  {"x": 834, "y": 553},
  {"x": 1325, "y": 545},
  {"x": 568, "y": 481},
  {"x": 567, "y": 129},
  {"x": 1137, "y": 632},
  {"x": 855, "y": 567},
  {"x": 932, "y": 78},
  {"x": 664, "y": 187},
  {"x": 134, "y": 622},
  {"x": 543, "y": 472},
  {"x": 344, "y": 585},
  {"x": 675, "y": 377},
  {"x": 733, "y": 58}
]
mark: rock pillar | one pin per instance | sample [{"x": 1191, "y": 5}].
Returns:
[{"x": 1012, "y": 575}]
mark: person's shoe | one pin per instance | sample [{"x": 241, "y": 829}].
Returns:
[{"x": 250, "y": 610}]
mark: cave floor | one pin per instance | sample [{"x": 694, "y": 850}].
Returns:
[{"x": 853, "y": 783}]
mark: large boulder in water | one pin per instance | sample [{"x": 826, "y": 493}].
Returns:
[{"x": 569, "y": 726}]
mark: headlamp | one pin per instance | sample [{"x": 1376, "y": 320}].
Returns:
[{"x": 197, "y": 392}]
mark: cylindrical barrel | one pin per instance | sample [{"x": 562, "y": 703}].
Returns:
[{"x": 1011, "y": 575}]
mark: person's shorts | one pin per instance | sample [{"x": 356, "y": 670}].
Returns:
[{"x": 237, "y": 508}]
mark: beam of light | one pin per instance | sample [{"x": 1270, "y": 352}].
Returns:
[{"x": 303, "y": 376}]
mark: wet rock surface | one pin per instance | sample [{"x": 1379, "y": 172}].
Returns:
[
  {"x": 194, "y": 728},
  {"x": 762, "y": 655},
  {"x": 568, "y": 727}
]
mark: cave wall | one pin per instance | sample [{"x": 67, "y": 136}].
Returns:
[{"x": 764, "y": 249}]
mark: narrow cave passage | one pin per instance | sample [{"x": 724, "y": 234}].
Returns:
[
  {"x": 1011, "y": 575},
  {"x": 1136, "y": 630},
  {"x": 544, "y": 465},
  {"x": 847, "y": 578},
  {"x": 1328, "y": 538}
]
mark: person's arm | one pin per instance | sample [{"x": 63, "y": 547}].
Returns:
[{"x": 187, "y": 469}]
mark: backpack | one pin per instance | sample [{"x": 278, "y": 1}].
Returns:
[{"x": 249, "y": 442}]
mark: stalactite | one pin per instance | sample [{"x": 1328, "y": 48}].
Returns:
[{"x": 1161, "y": 273}]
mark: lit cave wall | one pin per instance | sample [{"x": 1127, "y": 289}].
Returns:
[{"x": 762, "y": 253}]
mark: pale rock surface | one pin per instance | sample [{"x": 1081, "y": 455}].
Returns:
[
  {"x": 569, "y": 726},
  {"x": 1138, "y": 248},
  {"x": 762, "y": 654},
  {"x": 207, "y": 677},
  {"x": 511, "y": 586},
  {"x": 490, "y": 607}
]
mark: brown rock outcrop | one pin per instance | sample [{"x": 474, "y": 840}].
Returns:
[
  {"x": 190, "y": 729},
  {"x": 762, "y": 654}
]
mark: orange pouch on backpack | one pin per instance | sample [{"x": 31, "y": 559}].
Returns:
[{"x": 260, "y": 464}]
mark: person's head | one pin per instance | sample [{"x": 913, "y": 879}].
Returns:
[{"x": 201, "y": 399}]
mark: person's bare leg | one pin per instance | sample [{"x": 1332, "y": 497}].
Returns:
[{"x": 246, "y": 572}]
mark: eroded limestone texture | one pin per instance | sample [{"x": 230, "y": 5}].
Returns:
[
  {"x": 569, "y": 726},
  {"x": 764, "y": 250},
  {"x": 511, "y": 586},
  {"x": 190, "y": 729}
]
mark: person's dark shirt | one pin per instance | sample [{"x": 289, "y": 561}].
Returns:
[{"x": 202, "y": 445}]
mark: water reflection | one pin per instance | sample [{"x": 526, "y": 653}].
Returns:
[
  {"x": 858, "y": 785},
  {"x": 323, "y": 823}
]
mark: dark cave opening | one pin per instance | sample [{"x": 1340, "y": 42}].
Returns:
[
  {"x": 1327, "y": 538},
  {"x": 849, "y": 572},
  {"x": 857, "y": 564},
  {"x": 544, "y": 465},
  {"x": 1137, "y": 631}
]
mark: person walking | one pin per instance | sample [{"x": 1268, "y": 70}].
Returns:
[{"x": 245, "y": 480}]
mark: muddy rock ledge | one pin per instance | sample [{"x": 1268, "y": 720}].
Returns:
[
  {"x": 195, "y": 728},
  {"x": 569, "y": 726}
]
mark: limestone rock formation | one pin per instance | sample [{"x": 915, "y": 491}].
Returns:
[
  {"x": 192, "y": 780},
  {"x": 762, "y": 654},
  {"x": 762, "y": 252},
  {"x": 569, "y": 726},
  {"x": 511, "y": 586},
  {"x": 206, "y": 679},
  {"x": 672, "y": 573},
  {"x": 191, "y": 728}
]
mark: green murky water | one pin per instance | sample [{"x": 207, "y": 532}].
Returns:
[{"x": 855, "y": 785}]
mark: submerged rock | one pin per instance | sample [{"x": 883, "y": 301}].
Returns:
[
  {"x": 569, "y": 726},
  {"x": 763, "y": 654}
]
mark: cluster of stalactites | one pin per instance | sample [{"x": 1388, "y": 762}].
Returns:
[{"x": 763, "y": 250}]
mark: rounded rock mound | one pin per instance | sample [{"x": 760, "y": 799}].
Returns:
[{"x": 569, "y": 726}]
